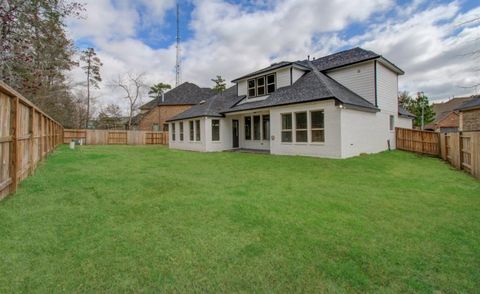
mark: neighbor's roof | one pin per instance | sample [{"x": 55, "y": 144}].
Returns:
[
  {"x": 473, "y": 103},
  {"x": 443, "y": 109},
  {"x": 403, "y": 112},
  {"x": 212, "y": 106},
  {"x": 184, "y": 94}
]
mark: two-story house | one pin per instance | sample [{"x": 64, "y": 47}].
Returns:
[
  {"x": 153, "y": 115},
  {"x": 337, "y": 106}
]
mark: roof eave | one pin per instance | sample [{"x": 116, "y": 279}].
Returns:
[{"x": 293, "y": 64}]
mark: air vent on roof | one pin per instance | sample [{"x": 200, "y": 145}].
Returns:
[{"x": 202, "y": 101}]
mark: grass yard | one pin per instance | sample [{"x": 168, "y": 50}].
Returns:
[{"x": 149, "y": 219}]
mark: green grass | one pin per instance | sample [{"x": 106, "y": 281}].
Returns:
[{"x": 149, "y": 219}]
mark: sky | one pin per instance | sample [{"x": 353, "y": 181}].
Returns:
[{"x": 432, "y": 41}]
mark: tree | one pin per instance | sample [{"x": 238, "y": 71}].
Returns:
[
  {"x": 220, "y": 84},
  {"x": 421, "y": 108},
  {"x": 404, "y": 99},
  {"x": 157, "y": 90},
  {"x": 36, "y": 53},
  {"x": 92, "y": 65},
  {"x": 133, "y": 87},
  {"x": 110, "y": 117}
]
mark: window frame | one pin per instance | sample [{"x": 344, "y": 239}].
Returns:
[
  {"x": 392, "y": 122},
  {"x": 290, "y": 130},
  {"x": 191, "y": 127},
  {"x": 217, "y": 128},
  {"x": 181, "y": 130},
  {"x": 173, "y": 132},
  {"x": 259, "y": 124},
  {"x": 249, "y": 133},
  {"x": 198, "y": 131},
  {"x": 265, "y": 132},
  {"x": 264, "y": 86},
  {"x": 303, "y": 129},
  {"x": 311, "y": 128}
]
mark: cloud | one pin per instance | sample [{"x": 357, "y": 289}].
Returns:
[{"x": 429, "y": 41}]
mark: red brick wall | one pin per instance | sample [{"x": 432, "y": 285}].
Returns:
[{"x": 159, "y": 115}]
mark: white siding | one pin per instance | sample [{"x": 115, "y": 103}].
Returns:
[
  {"x": 330, "y": 148},
  {"x": 387, "y": 89},
  {"x": 296, "y": 74},
  {"x": 283, "y": 77},
  {"x": 242, "y": 88},
  {"x": 364, "y": 132},
  {"x": 225, "y": 141},
  {"x": 404, "y": 122},
  {"x": 359, "y": 78},
  {"x": 186, "y": 144}
]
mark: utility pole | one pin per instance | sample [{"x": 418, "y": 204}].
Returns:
[{"x": 177, "y": 64}]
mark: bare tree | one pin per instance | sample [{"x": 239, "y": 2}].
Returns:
[{"x": 134, "y": 88}]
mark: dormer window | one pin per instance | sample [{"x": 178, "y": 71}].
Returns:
[{"x": 261, "y": 86}]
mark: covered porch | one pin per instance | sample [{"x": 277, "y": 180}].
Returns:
[{"x": 250, "y": 131}]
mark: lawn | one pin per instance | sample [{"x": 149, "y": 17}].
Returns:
[{"x": 149, "y": 219}]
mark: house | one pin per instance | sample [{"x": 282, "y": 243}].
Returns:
[
  {"x": 446, "y": 116},
  {"x": 470, "y": 115},
  {"x": 337, "y": 106},
  {"x": 154, "y": 114}
]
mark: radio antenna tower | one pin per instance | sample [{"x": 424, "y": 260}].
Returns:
[{"x": 177, "y": 64}]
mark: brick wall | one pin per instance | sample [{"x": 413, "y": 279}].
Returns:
[
  {"x": 471, "y": 120},
  {"x": 159, "y": 115}
]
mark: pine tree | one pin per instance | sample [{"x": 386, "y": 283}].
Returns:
[
  {"x": 157, "y": 90},
  {"x": 220, "y": 84},
  {"x": 92, "y": 65}
]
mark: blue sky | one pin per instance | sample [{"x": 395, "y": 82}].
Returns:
[{"x": 231, "y": 38}]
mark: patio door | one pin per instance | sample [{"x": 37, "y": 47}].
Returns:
[{"x": 235, "y": 132}]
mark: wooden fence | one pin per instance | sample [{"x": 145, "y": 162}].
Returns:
[
  {"x": 418, "y": 141},
  {"x": 27, "y": 136},
  {"x": 113, "y": 137},
  {"x": 461, "y": 150}
]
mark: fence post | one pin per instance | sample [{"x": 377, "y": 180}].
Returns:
[
  {"x": 14, "y": 146},
  {"x": 30, "y": 143}
]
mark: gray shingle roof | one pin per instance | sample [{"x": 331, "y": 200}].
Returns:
[
  {"x": 273, "y": 67},
  {"x": 403, "y": 112},
  {"x": 312, "y": 86},
  {"x": 473, "y": 103},
  {"x": 343, "y": 58},
  {"x": 212, "y": 106},
  {"x": 186, "y": 94}
]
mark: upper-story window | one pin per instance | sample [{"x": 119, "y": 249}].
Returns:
[{"x": 261, "y": 85}]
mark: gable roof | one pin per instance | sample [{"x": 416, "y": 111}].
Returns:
[
  {"x": 443, "y": 109},
  {"x": 184, "y": 94},
  {"x": 212, "y": 106},
  {"x": 473, "y": 103},
  {"x": 403, "y": 112},
  {"x": 274, "y": 66}
]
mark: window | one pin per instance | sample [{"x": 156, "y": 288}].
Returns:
[
  {"x": 266, "y": 127},
  {"x": 197, "y": 130},
  {"x": 317, "y": 131},
  {"x": 392, "y": 122},
  {"x": 261, "y": 85},
  {"x": 256, "y": 127},
  {"x": 270, "y": 83},
  {"x": 173, "y": 131},
  {"x": 287, "y": 127},
  {"x": 248, "y": 128},
  {"x": 165, "y": 127},
  {"x": 192, "y": 137},
  {"x": 301, "y": 127},
  {"x": 215, "y": 130},
  {"x": 181, "y": 131},
  {"x": 155, "y": 127},
  {"x": 251, "y": 88}
]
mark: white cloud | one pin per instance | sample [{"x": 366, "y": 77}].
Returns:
[{"x": 233, "y": 39}]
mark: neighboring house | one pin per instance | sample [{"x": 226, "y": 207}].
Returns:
[
  {"x": 470, "y": 115},
  {"x": 446, "y": 116},
  {"x": 154, "y": 114},
  {"x": 337, "y": 106}
]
